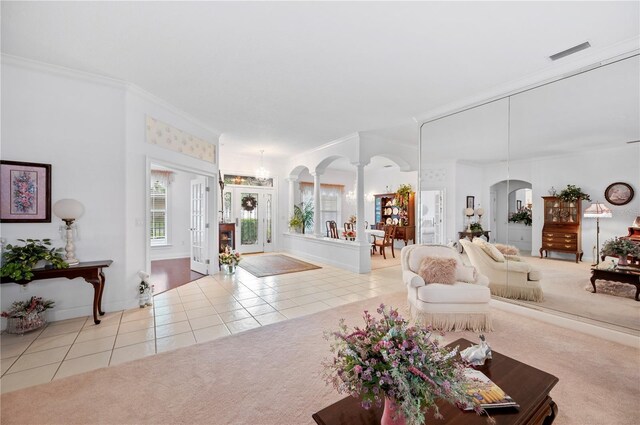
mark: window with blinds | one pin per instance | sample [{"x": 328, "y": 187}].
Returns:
[
  {"x": 330, "y": 201},
  {"x": 158, "y": 219}
]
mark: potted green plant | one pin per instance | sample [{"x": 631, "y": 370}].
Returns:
[
  {"x": 295, "y": 223},
  {"x": 25, "y": 316},
  {"x": 621, "y": 248},
  {"x": 476, "y": 227},
  {"x": 302, "y": 216},
  {"x": 523, "y": 215},
  {"x": 572, "y": 193},
  {"x": 18, "y": 261}
]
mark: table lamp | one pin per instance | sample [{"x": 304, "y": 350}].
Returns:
[
  {"x": 69, "y": 210},
  {"x": 469, "y": 213},
  {"x": 597, "y": 210}
]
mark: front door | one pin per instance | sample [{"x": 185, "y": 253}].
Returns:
[
  {"x": 199, "y": 226},
  {"x": 252, "y": 210}
]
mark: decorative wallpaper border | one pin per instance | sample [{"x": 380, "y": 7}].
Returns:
[{"x": 169, "y": 137}]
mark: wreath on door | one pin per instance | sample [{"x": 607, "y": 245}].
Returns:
[{"x": 249, "y": 203}]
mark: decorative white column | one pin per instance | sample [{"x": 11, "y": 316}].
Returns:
[
  {"x": 292, "y": 195},
  {"x": 317, "y": 228},
  {"x": 360, "y": 234}
]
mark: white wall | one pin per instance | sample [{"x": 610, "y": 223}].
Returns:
[
  {"x": 179, "y": 219},
  {"x": 139, "y": 155},
  {"x": 92, "y": 131},
  {"x": 77, "y": 125}
]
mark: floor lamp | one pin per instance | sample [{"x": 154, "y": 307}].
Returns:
[{"x": 597, "y": 210}]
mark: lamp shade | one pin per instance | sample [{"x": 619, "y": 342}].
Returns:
[
  {"x": 69, "y": 209},
  {"x": 468, "y": 212},
  {"x": 480, "y": 212},
  {"x": 597, "y": 210}
]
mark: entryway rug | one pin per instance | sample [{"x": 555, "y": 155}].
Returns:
[{"x": 272, "y": 265}]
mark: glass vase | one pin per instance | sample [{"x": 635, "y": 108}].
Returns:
[
  {"x": 391, "y": 414},
  {"x": 228, "y": 268}
]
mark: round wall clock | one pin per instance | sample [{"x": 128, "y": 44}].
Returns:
[{"x": 618, "y": 193}]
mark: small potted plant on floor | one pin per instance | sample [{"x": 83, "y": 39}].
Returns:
[
  {"x": 621, "y": 248},
  {"x": 18, "y": 261},
  {"x": 403, "y": 367},
  {"x": 25, "y": 316},
  {"x": 229, "y": 259}
]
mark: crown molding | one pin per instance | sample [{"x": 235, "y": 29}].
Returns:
[
  {"x": 62, "y": 71},
  {"x": 125, "y": 86},
  {"x": 598, "y": 57}
]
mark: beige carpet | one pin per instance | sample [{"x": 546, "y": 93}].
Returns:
[
  {"x": 272, "y": 265},
  {"x": 564, "y": 283},
  {"x": 272, "y": 375}
]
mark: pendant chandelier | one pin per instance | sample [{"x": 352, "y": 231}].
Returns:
[{"x": 262, "y": 173}]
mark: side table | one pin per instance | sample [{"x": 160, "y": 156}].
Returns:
[{"x": 90, "y": 271}]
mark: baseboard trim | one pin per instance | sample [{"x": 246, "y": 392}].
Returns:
[{"x": 569, "y": 323}]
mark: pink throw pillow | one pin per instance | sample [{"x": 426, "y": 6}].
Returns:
[
  {"x": 438, "y": 270},
  {"x": 507, "y": 249}
]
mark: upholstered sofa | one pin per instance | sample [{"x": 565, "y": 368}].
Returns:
[
  {"x": 463, "y": 305},
  {"x": 509, "y": 276}
]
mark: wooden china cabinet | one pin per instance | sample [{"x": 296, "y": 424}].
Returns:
[
  {"x": 562, "y": 230},
  {"x": 388, "y": 211}
]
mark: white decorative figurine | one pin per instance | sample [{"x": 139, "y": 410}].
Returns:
[
  {"x": 145, "y": 289},
  {"x": 476, "y": 355}
]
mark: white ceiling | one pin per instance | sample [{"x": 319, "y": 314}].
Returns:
[{"x": 286, "y": 77}]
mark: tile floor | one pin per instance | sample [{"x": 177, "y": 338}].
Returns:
[{"x": 209, "y": 308}]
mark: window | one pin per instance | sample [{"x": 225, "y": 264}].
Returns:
[
  {"x": 158, "y": 212},
  {"x": 330, "y": 201}
]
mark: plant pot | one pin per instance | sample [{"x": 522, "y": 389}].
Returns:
[
  {"x": 228, "y": 268},
  {"x": 21, "y": 325},
  {"x": 622, "y": 260},
  {"x": 391, "y": 412}
]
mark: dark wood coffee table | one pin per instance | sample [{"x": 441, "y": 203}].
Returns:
[
  {"x": 630, "y": 276},
  {"x": 528, "y": 386}
]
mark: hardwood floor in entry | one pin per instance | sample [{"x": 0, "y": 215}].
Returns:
[{"x": 169, "y": 274}]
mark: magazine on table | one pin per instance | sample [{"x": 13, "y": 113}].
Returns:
[{"x": 485, "y": 392}]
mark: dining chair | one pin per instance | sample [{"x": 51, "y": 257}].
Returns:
[
  {"x": 332, "y": 229},
  {"x": 389, "y": 236},
  {"x": 349, "y": 227}
]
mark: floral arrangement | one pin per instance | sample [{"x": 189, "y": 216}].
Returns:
[
  {"x": 349, "y": 234},
  {"x": 229, "y": 256},
  {"x": 27, "y": 309},
  {"x": 352, "y": 219},
  {"x": 402, "y": 195},
  {"x": 571, "y": 193},
  {"x": 523, "y": 215},
  {"x": 389, "y": 359},
  {"x": 620, "y": 247}
]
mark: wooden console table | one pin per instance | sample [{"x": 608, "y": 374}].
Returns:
[
  {"x": 528, "y": 386},
  {"x": 474, "y": 234},
  {"x": 91, "y": 271}
]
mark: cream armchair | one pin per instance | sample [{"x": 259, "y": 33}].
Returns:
[
  {"x": 511, "y": 278},
  {"x": 461, "y": 306}
]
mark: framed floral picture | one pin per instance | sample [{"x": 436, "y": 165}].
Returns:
[
  {"x": 618, "y": 193},
  {"x": 25, "y": 192}
]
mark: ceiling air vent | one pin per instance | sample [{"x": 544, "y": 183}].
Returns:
[
  {"x": 570, "y": 51},
  {"x": 633, "y": 141}
]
